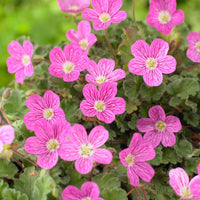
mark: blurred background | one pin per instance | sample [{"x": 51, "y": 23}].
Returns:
[{"x": 45, "y": 23}]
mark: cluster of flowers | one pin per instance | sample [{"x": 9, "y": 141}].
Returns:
[{"x": 55, "y": 137}]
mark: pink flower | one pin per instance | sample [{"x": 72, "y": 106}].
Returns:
[
  {"x": 89, "y": 191},
  {"x": 193, "y": 52},
  {"x": 105, "y": 12},
  {"x": 73, "y": 6},
  {"x": 103, "y": 72},
  {"x": 83, "y": 37},
  {"x": 159, "y": 128},
  {"x": 179, "y": 181},
  {"x": 20, "y": 60},
  {"x": 151, "y": 61},
  {"x": 67, "y": 64},
  {"x": 163, "y": 15},
  {"x": 7, "y": 135},
  {"x": 85, "y": 149},
  {"x": 43, "y": 108},
  {"x": 134, "y": 158},
  {"x": 195, "y": 184},
  {"x": 102, "y": 103},
  {"x": 48, "y": 142}
]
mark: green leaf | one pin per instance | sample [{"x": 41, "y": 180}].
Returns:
[
  {"x": 169, "y": 156},
  {"x": 175, "y": 101},
  {"x": 191, "y": 165},
  {"x": 7, "y": 169},
  {"x": 158, "y": 159},
  {"x": 191, "y": 118},
  {"x": 183, "y": 148},
  {"x": 132, "y": 124},
  {"x": 12, "y": 194},
  {"x": 191, "y": 104},
  {"x": 114, "y": 194}
]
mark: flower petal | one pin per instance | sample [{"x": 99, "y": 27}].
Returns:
[
  {"x": 28, "y": 70},
  {"x": 20, "y": 76},
  {"x": 98, "y": 25},
  {"x": 73, "y": 36},
  {"x": 140, "y": 49},
  {"x": 167, "y": 64},
  {"x": 118, "y": 17},
  {"x": 1, "y": 146},
  {"x": 168, "y": 138},
  {"x": 72, "y": 76},
  {"x": 98, "y": 136},
  {"x": 47, "y": 160},
  {"x": 52, "y": 100},
  {"x": 193, "y": 38},
  {"x": 107, "y": 91},
  {"x": 173, "y": 123},
  {"x": 153, "y": 77},
  {"x": 106, "y": 116},
  {"x": 71, "y": 193},
  {"x": 36, "y": 103},
  {"x": 195, "y": 186},
  {"x": 105, "y": 66},
  {"x": 15, "y": 49},
  {"x": 56, "y": 70},
  {"x": 28, "y": 47},
  {"x": 178, "y": 17},
  {"x": 90, "y": 189},
  {"x": 100, "y": 6},
  {"x": 14, "y": 64},
  {"x": 193, "y": 54},
  {"x": 137, "y": 66},
  {"x": 156, "y": 113},
  {"x": 87, "y": 108},
  {"x": 90, "y": 14},
  {"x": 145, "y": 125},
  {"x": 84, "y": 28},
  {"x": 102, "y": 156},
  {"x": 133, "y": 177},
  {"x": 90, "y": 92},
  {"x": 154, "y": 137},
  {"x": 7, "y": 134},
  {"x": 114, "y": 6},
  {"x": 122, "y": 155},
  {"x": 57, "y": 56},
  {"x": 116, "y": 75},
  {"x": 83, "y": 165}
]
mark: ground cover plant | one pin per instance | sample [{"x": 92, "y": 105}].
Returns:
[{"x": 114, "y": 114}]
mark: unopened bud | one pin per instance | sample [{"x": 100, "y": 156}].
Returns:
[
  {"x": 6, "y": 93},
  {"x": 55, "y": 193}
]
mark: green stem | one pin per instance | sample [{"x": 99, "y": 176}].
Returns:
[{"x": 134, "y": 4}]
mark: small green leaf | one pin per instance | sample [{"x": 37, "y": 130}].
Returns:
[
  {"x": 7, "y": 169},
  {"x": 183, "y": 148},
  {"x": 114, "y": 194}
]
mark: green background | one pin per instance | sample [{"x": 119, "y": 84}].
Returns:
[{"x": 43, "y": 21}]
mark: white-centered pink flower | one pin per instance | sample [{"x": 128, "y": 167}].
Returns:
[
  {"x": 163, "y": 15},
  {"x": 73, "y": 6},
  {"x": 20, "y": 61},
  {"x": 159, "y": 128},
  {"x": 43, "y": 108},
  {"x": 102, "y": 103},
  {"x": 67, "y": 63},
  {"x": 103, "y": 72},
  {"x": 179, "y": 181},
  {"x": 195, "y": 184},
  {"x": 85, "y": 149},
  {"x": 83, "y": 37},
  {"x": 134, "y": 158},
  {"x": 88, "y": 191},
  {"x": 151, "y": 61},
  {"x": 104, "y": 13},
  {"x": 7, "y": 135},
  {"x": 193, "y": 53},
  {"x": 48, "y": 142}
]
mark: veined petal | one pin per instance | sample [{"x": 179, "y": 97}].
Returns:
[
  {"x": 84, "y": 165},
  {"x": 107, "y": 91},
  {"x": 98, "y": 25},
  {"x": 57, "y": 56},
  {"x": 195, "y": 186},
  {"x": 15, "y": 49},
  {"x": 90, "y": 92},
  {"x": 168, "y": 138},
  {"x": 173, "y": 123},
  {"x": 178, "y": 17},
  {"x": 102, "y": 156},
  {"x": 140, "y": 49},
  {"x": 14, "y": 64},
  {"x": 114, "y": 6},
  {"x": 145, "y": 125},
  {"x": 116, "y": 75},
  {"x": 72, "y": 36},
  {"x": 84, "y": 28},
  {"x": 122, "y": 155},
  {"x": 106, "y": 116},
  {"x": 87, "y": 108},
  {"x": 153, "y": 77},
  {"x": 7, "y": 134},
  {"x": 137, "y": 66},
  {"x": 52, "y": 100},
  {"x": 56, "y": 70},
  {"x": 28, "y": 47},
  {"x": 71, "y": 193},
  {"x": 167, "y": 64},
  {"x": 20, "y": 76},
  {"x": 154, "y": 137},
  {"x": 90, "y": 14},
  {"x": 90, "y": 189},
  {"x": 118, "y": 17},
  {"x": 100, "y": 6},
  {"x": 156, "y": 113},
  {"x": 133, "y": 177}
]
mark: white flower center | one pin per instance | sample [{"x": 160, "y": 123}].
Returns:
[
  {"x": 160, "y": 126},
  {"x": 68, "y": 67},
  {"x": 164, "y": 17},
  {"x": 198, "y": 46},
  {"x": 101, "y": 79},
  {"x": 75, "y": 8},
  {"x": 48, "y": 113},
  {"x": 26, "y": 60},
  {"x": 151, "y": 63},
  {"x": 83, "y": 43},
  {"x": 130, "y": 159},
  {"x": 99, "y": 106},
  {"x": 185, "y": 192},
  {"x": 105, "y": 17},
  {"x": 86, "y": 150},
  {"x": 86, "y": 198},
  {"x": 52, "y": 145}
]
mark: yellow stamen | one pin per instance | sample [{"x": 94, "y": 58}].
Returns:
[
  {"x": 101, "y": 79},
  {"x": 160, "y": 126},
  {"x": 130, "y": 159},
  {"x": 151, "y": 63},
  {"x": 26, "y": 60},
  {"x": 52, "y": 145},
  {"x": 99, "y": 106},
  {"x": 48, "y": 113},
  {"x": 83, "y": 43},
  {"x": 105, "y": 17},
  {"x": 68, "y": 67},
  {"x": 164, "y": 17}
]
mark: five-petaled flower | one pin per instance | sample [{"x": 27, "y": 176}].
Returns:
[
  {"x": 134, "y": 158},
  {"x": 67, "y": 64},
  {"x": 20, "y": 60},
  {"x": 102, "y": 103},
  {"x": 43, "y": 108},
  {"x": 159, "y": 128},
  {"x": 48, "y": 142},
  {"x": 85, "y": 149},
  {"x": 103, "y": 72},
  {"x": 83, "y": 37},
  {"x": 151, "y": 61},
  {"x": 7, "y": 135},
  {"x": 73, "y": 6},
  {"x": 105, "y": 12},
  {"x": 193, "y": 52},
  {"x": 179, "y": 181},
  {"x": 163, "y": 15},
  {"x": 89, "y": 191},
  {"x": 195, "y": 184}
]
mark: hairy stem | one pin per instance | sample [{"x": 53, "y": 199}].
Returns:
[
  {"x": 5, "y": 116},
  {"x": 137, "y": 193},
  {"x": 192, "y": 67},
  {"x": 134, "y": 3},
  {"x": 42, "y": 60},
  {"x": 143, "y": 191},
  {"x": 133, "y": 189}
]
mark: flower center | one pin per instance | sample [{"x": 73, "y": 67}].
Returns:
[
  {"x": 164, "y": 17},
  {"x": 105, "y": 17},
  {"x": 185, "y": 192},
  {"x": 86, "y": 198},
  {"x": 75, "y": 8},
  {"x": 198, "y": 46},
  {"x": 130, "y": 159},
  {"x": 101, "y": 79},
  {"x": 48, "y": 113},
  {"x": 86, "y": 150},
  {"x": 26, "y": 60},
  {"x": 52, "y": 145},
  {"x": 68, "y": 67},
  {"x": 99, "y": 106},
  {"x": 151, "y": 63},
  {"x": 160, "y": 126},
  {"x": 83, "y": 43}
]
